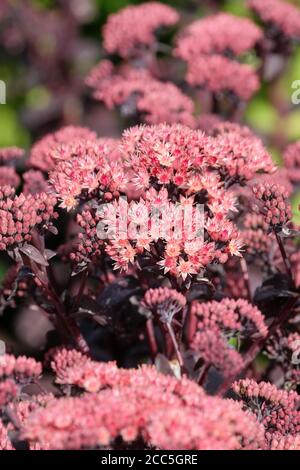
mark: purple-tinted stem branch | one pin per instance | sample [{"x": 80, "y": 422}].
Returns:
[
  {"x": 80, "y": 290},
  {"x": 245, "y": 273},
  {"x": 203, "y": 374},
  {"x": 285, "y": 259},
  {"x": 151, "y": 338}
]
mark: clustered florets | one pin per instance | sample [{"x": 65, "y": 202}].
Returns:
[
  {"x": 217, "y": 323},
  {"x": 19, "y": 215},
  {"x": 206, "y": 44},
  {"x": 277, "y": 410},
  {"x": 136, "y": 91},
  {"x": 41, "y": 155},
  {"x": 282, "y": 15},
  {"x": 180, "y": 163},
  {"x": 84, "y": 166},
  {"x": 284, "y": 349},
  {"x": 164, "y": 302},
  {"x": 273, "y": 204},
  {"x": 134, "y": 28},
  {"x": 217, "y": 34},
  {"x": 14, "y": 374},
  {"x": 291, "y": 159},
  {"x": 255, "y": 235},
  {"x": 9, "y": 177},
  {"x": 129, "y": 404},
  {"x": 20, "y": 369},
  {"x": 8, "y": 154},
  {"x": 219, "y": 74}
]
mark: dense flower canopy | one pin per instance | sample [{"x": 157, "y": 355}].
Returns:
[{"x": 149, "y": 243}]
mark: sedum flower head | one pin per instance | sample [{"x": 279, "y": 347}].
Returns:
[{"x": 133, "y": 28}]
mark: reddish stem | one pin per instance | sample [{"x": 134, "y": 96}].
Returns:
[
  {"x": 151, "y": 338},
  {"x": 285, "y": 259}
]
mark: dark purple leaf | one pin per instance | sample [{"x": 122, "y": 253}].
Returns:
[{"x": 34, "y": 254}]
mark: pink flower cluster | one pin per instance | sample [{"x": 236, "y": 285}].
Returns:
[
  {"x": 281, "y": 14},
  {"x": 277, "y": 410},
  {"x": 239, "y": 151},
  {"x": 273, "y": 204},
  {"x": 8, "y": 392},
  {"x": 137, "y": 91},
  {"x": 220, "y": 74},
  {"x": 9, "y": 177},
  {"x": 284, "y": 349},
  {"x": 20, "y": 215},
  {"x": 41, "y": 155},
  {"x": 5, "y": 443},
  {"x": 164, "y": 302},
  {"x": 217, "y": 34},
  {"x": 21, "y": 369},
  {"x": 85, "y": 166},
  {"x": 134, "y": 27},
  {"x": 34, "y": 182},
  {"x": 213, "y": 349},
  {"x": 291, "y": 159},
  {"x": 257, "y": 241},
  {"x": 204, "y": 45},
  {"x": 216, "y": 323},
  {"x": 130, "y": 404},
  {"x": 8, "y": 154},
  {"x": 181, "y": 163}
]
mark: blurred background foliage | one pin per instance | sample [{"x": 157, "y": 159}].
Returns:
[{"x": 270, "y": 113}]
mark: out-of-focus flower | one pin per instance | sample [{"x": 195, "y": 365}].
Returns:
[
  {"x": 8, "y": 154},
  {"x": 279, "y": 442},
  {"x": 279, "y": 14},
  {"x": 220, "y": 75},
  {"x": 280, "y": 177},
  {"x": 8, "y": 392},
  {"x": 234, "y": 317},
  {"x": 133, "y": 28},
  {"x": 284, "y": 349},
  {"x": 137, "y": 92},
  {"x": 241, "y": 154},
  {"x": 207, "y": 122},
  {"x": 255, "y": 235},
  {"x": 9, "y": 176},
  {"x": 218, "y": 322},
  {"x": 21, "y": 369},
  {"x": 5, "y": 442},
  {"x": 291, "y": 158},
  {"x": 219, "y": 34},
  {"x": 212, "y": 348},
  {"x": 34, "y": 182}
]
